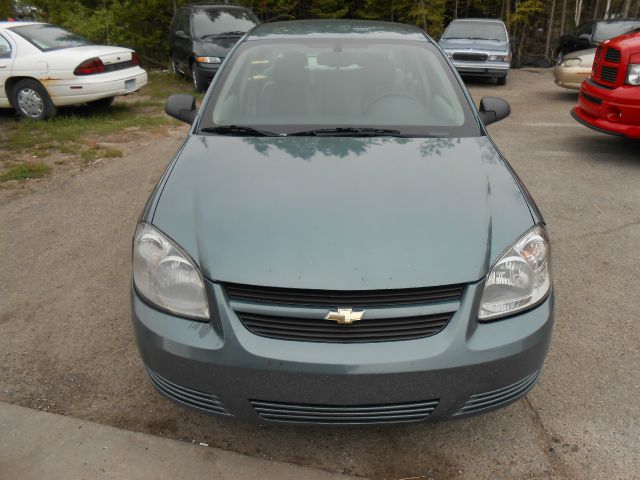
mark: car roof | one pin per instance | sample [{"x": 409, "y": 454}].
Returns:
[
  {"x": 16, "y": 24},
  {"x": 487, "y": 20},
  {"x": 200, "y": 6},
  {"x": 335, "y": 29}
]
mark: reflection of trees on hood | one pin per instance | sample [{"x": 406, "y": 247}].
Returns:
[
  {"x": 435, "y": 146},
  {"x": 307, "y": 147}
]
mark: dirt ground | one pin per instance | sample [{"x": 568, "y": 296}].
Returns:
[{"x": 66, "y": 343}]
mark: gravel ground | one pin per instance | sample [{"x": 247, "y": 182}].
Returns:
[{"x": 66, "y": 343}]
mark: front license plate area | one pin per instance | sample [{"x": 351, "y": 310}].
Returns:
[{"x": 130, "y": 85}]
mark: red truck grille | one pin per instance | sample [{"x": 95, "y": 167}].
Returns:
[{"x": 605, "y": 66}]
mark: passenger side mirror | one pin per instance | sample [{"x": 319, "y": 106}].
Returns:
[
  {"x": 181, "y": 34},
  {"x": 182, "y": 107},
  {"x": 493, "y": 109}
]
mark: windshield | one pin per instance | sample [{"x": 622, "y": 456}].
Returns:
[
  {"x": 476, "y": 30},
  {"x": 605, "y": 31},
  {"x": 217, "y": 21},
  {"x": 292, "y": 87},
  {"x": 49, "y": 37}
]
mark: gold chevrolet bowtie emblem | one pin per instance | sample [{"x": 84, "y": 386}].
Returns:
[{"x": 344, "y": 316}]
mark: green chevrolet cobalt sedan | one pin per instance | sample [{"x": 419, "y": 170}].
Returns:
[{"x": 339, "y": 241}]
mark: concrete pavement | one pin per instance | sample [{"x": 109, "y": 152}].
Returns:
[{"x": 41, "y": 445}]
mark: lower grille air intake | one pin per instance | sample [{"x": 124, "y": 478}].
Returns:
[
  {"x": 345, "y": 415},
  {"x": 205, "y": 402},
  {"x": 501, "y": 396}
]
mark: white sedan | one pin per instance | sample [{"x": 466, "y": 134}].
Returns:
[{"x": 43, "y": 67}]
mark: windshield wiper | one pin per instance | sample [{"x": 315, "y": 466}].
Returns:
[
  {"x": 234, "y": 33},
  {"x": 347, "y": 132},
  {"x": 239, "y": 130}
]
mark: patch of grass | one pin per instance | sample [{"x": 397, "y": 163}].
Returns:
[
  {"x": 26, "y": 170},
  {"x": 163, "y": 84},
  {"x": 93, "y": 153}
]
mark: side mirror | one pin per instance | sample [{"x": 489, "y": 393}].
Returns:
[
  {"x": 182, "y": 107},
  {"x": 493, "y": 109},
  {"x": 181, "y": 34}
]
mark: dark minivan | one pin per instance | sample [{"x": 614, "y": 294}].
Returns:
[
  {"x": 202, "y": 34},
  {"x": 591, "y": 34}
]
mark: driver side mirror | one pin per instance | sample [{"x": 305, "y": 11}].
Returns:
[
  {"x": 181, "y": 34},
  {"x": 493, "y": 109},
  {"x": 182, "y": 107}
]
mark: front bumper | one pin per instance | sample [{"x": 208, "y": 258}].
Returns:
[
  {"x": 206, "y": 72},
  {"x": 570, "y": 77},
  {"x": 615, "y": 111},
  {"x": 221, "y": 367},
  {"x": 482, "y": 69}
]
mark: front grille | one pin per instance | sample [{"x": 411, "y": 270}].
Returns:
[
  {"x": 205, "y": 402},
  {"x": 612, "y": 55},
  {"x": 316, "y": 330},
  {"x": 470, "y": 57},
  {"x": 345, "y": 414},
  {"x": 591, "y": 98},
  {"x": 341, "y": 298},
  {"x": 501, "y": 396},
  {"x": 609, "y": 74},
  {"x": 112, "y": 67}
]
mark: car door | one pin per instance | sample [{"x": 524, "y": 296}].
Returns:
[
  {"x": 182, "y": 40},
  {"x": 7, "y": 52}
]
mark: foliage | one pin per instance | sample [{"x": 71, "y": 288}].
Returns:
[{"x": 144, "y": 24}]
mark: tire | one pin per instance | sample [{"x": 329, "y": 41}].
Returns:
[
  {"x": 102, "y": 104},
  {"x": 502, "y": 80},
  {"x": 31, "y": 100},
  {"x": 195, "y": 79}
]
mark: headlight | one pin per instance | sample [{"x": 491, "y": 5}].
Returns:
[
  {"x": 633, "y": 77},
  {"x": 165, "y": 276},
  {"x": 499, "y": 58},
  {"x": 208, "y": 60},
  {"x": 572, "y": 62},
  {"x": 520, "y": 278}
]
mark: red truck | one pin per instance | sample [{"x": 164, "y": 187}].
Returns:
[{"x": 609, "y": 100}]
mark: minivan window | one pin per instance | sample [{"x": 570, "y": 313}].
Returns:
[
  {"x": 49, "y": 37},
  {"x": 218, "y": 21},
  {"x": 286, "y": 86},
  {"x": 476, "y": 31}
]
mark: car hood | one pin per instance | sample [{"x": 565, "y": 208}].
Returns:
[
  {"x": 216, "y": 47},
  {"x": 342, "y": 213},
  {"x": 585, "y": 55},
  {"x": 468, "y": 44}
]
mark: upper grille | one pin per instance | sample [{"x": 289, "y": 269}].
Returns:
[
  {"x": 470, "y": 57},
  {"x": 612, "y": 55},
  {"x": 112, "y": 67},
  {"x": 501, "y": 396},
  {"x": 609, "y": 74},
  {"x": 341, "y": 298},
  {"x": 312, "y": 330},
  {"x": 205, "y": 402},
  {"x": 346, "y": 414}
]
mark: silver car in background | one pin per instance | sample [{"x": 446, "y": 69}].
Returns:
[{"x": 478, "y": 46}]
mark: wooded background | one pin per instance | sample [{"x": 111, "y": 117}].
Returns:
[{"x": 534, "y": 25}]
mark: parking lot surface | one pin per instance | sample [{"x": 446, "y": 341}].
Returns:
[{"x": 66, "y": 343}]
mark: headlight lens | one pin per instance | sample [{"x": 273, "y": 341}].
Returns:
[
  {"x": 208, "y": 60},
  {"x": 165, "y": 275},
  {"x": 633, "y": 77},
  {"x": 499, "y": 58},
  {"x": 520, "y": 278},
  {"x": 572, "y": 62}
]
